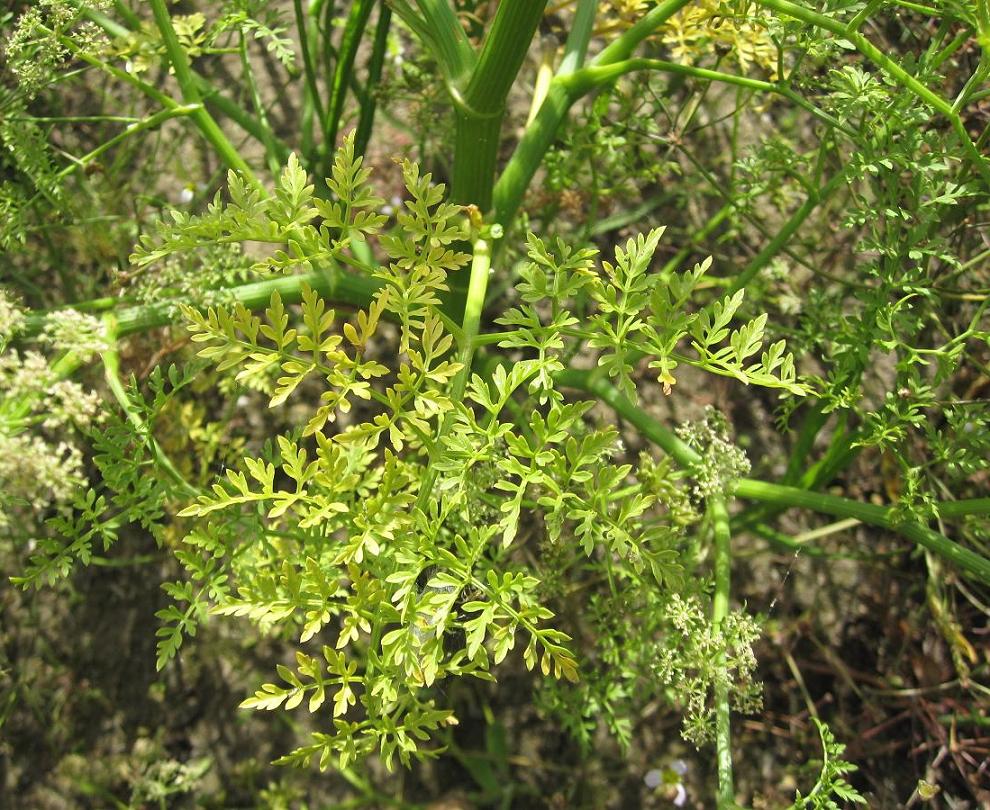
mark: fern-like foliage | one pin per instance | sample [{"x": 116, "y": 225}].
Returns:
[
  {"x": 132, "y": 490},
  {"x": 832, "y": 791},
  {"x": 639, "y": 314},
  {"x": 395, "y": 540},
  {"x": 286, "y": 217},
  {"x": 143, "y": 48}
]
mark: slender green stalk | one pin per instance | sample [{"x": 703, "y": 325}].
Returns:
[
  {"x": 271, "y": 151},
  {"x": 968, "y": 561},
  {"x": 783, "y": 236},
  {"x": 540, "y": 134},
  {"x": 798, "y": 473},
  {"x": 375, "y": 63},
  {"x": 134, "y": 128},
  {"x": 309, "y": 70},
  {"x": 126, "y": 14},
  {"x": 583, "y": 81},
  {"x": 582, "y": 28},
  {"x": 863, "y": 15},
  {"x": 813, "y": 423},
  {"x": 720, "y": 610},
  {"x": 209, "y": 128},
  {"x": 357, "y": 20},
  {"x": 654, "y": 430},
  {"x": 210, "y": 95},
  {"x": 481, "y": 264},
  {"x": 128, "y": 78},
  {"x": 623, "y": 47},
  {"x": 111, "y": 366},
  {"x": 892, "y": 69},
  {"x": 717, "y": 219}
]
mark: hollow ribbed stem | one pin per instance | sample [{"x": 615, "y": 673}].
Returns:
[
  {"x": 480, "y": 106},
  {"x": 719, "y": 515},
  {"x": 442, "y": 30}
]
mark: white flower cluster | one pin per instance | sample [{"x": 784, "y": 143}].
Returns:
[
  {"x": 11, "y": 317},
  {"x": 34, "y": 51},
  {"x": 696, "y": 656},
  {"x": 722, "y": 462},
  {"x": 40, "y": 414},
  {"x": 35, "y": 475},
  {"x": 73, "y": 331}
]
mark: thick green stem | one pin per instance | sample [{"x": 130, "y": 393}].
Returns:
[
  {"x": 480, "y": 106},
  {"x": 255, "y": 127},
  {"x": 536, "y": 140},
  {"x": 477, "y": 143},
  {"x": 969, "y": 506},
  {"x": 720, "y": 610},
  {"x": 438, "y": 26}
]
